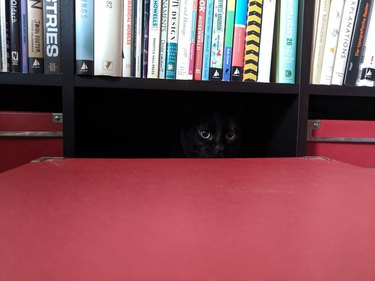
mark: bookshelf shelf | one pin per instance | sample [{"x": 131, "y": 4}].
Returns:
[{"x": 277, "y": 113}]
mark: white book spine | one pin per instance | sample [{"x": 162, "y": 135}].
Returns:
[
  {"x": 154, "y": 39},
  {"x": 108, "y": 37},
  {"x": 334, "y": 21},
  {"x": 139, "y": 38},
  {"x": 321, "y": 33},
  {"x": 127, "y": 40},
  {"x": 163, "y": 38},
  {"x": 5, "y": 67},
  {"x": 184, "y": 37},
  {"x": 313, "y": 41},
  {"x": 172, "y": 39},
  {"x": 343, "y": 44},
  {"x": 366, "y": 74},
  {"x": 266, "y": 39}
]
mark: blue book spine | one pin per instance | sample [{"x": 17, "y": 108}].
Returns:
[
  {"x": 207, "y": 40},
  {"x": 287, "y": 44},
  {"x": 24, "y": 61},
  {"x": 84, "y": 37},
  {"x": 228, "y": 42}
]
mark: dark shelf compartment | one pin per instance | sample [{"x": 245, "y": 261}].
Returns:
[
  {"x": 184, "y": 85},
  {"x": 30, "y": 79},
  {"x": 344, "y": 91}
]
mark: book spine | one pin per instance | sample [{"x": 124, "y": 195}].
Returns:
[
  {"x": 163, "y": 38},
  {"x": 345, "y": 35},
  {"x": 23, "y": 37},
  {"x": 287, "y": 44},
  {"x": 253, "y": 29},
  {"x": 228, "y": 41},
  {"x": 15, "y": 35},
  {"x": 217, "y": 44},
  {"x": 84, "y": 37},
  {"x": 266, "y": 40},
  {"x": 193, "y": 39},
  {"x": 321, "y": 33},
  {"x": 314, "y": 36},
  {"x": 35, "y": 36},
  {"x": 108, "y": 45},
  {"x": 199, "y": 40},
  {"x": 239, "y": 40},
  {"x": 138, "y": 64},
  {"x": 207, "y": 40},
  {"x": 127, "y": 39},
  {"x": 154, "y": 42},
  {"x": 183, "y": 51},
  {"x": 52, "y": 42},
  {"x": 366, "y": 76},
  {"x": 145, "y": 37},
  {"x": 330, "y": 46},
  {"x": 356, "y": 44},
  {"x": 172, "y": 39}
]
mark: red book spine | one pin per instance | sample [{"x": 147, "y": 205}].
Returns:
[{"x": 199, "y": 40}]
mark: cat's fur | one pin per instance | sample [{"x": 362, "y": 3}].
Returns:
[{"x": 209, "y": 135}]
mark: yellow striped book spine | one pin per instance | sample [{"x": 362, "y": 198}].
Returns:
[{"x": 253, "y": 28}]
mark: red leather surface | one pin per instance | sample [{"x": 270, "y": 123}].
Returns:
[
  {"x": 187, "y": 219},
  {"x": 16, "y": 151},
  {"x": 361, "y": 154}
]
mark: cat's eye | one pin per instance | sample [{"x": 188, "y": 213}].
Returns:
[
  {"x": 206, "y": 135},
  {"x": 230, "y": 136}
]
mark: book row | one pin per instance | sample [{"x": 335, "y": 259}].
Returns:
[
  {"x": 224, "y": 40},
  {"x": 344, "y": 43},
  {"x": 30, "y": 36}
]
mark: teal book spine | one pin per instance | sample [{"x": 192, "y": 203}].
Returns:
[
  {"x": 207, "y": 40},
  {"x": 84, "y": 37},
  {"x": 287, "y": 42}
]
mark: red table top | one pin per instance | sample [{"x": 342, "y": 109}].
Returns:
[{"x": 187, "y": 219}]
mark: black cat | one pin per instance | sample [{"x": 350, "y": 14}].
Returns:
[{"x": 209, "y": 135}]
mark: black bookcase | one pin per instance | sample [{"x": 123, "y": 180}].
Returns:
[{"x": 131, "y": 117}]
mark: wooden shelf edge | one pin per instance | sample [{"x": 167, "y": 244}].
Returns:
[
  {"x": 348, "y": 91},
  {"x": 185, "y": 85},
  {"x": 39, "y": 80}
]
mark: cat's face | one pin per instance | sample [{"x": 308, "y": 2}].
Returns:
[{"x": 215, "y": 135}]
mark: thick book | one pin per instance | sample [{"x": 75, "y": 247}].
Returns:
[
  {"x": 199, "y": 40},
  {"x": 172, "y": 39},
  {"x": 252, "y": 40},
  {"x": 15, "y": 35},
  {"x": 321, "y": 32},
  {"x": 330, "y": 46},
  {"x": 345, "y": 35},
  {"x": 154, "y": 39},
  {"x": 163, "y": 37},
  {"x": 35, "y": 36},
  {"x": 108, "y": 37},
  {"x": 184, "y": 38},
  {"x": 207, "y": 38},
  {"x": 127, "y": 38},
  {"x": 356, "y": 44},
  {"x": 239, "y": 40},
  {"x": 217, "y": 43},
  {"x": 84, "y": 27},
  {"x": 23, "y": 37},
  {"x": 287, "y": 42},
  {"x": 52, "y": 35},
  {"x": 193, "y": 40},
  {"x": 366, "y": 75},
  {"x": 266, "y": 40},
  {"x": 228, "y": 40}
]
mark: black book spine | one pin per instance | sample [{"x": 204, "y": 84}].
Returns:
[
  {"x": 356, "y": 44},
  {"x": 15, "y": 35},
  {"x": 52, "y": 42}
]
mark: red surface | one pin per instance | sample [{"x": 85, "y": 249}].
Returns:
[
  {"x": 187, "y": 219},
  {"x": 361, "y": 154},
  {"x": 15, "y": 151}
]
